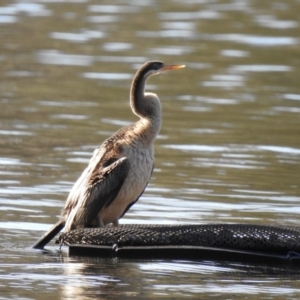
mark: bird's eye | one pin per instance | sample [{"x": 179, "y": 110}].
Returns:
[{"x": 158, "y": 66}]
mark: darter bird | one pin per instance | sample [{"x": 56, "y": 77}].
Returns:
[{"x": 120, "y": 168}]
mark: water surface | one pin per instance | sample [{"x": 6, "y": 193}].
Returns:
[{"x": 228, "y": 151}]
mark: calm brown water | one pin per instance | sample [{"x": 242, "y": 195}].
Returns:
[{"x": 228, "y": 151}]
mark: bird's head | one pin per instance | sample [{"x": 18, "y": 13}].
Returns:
[
  {"x": 155, "y": 67},
  {"x": 147, "y": 105}
]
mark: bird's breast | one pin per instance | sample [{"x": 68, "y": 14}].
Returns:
[{"x": 141, "y": 164}]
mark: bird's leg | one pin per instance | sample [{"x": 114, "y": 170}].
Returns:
[
  {"x": 99, "y": 221},
  {"x": 116, "y": 223}
]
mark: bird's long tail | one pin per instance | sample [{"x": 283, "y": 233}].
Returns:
[{"x": 49, "y": 235}]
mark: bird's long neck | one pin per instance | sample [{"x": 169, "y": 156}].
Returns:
[
  {"x": 145, "y": 105},
  {"x": 137, "y": 93}
]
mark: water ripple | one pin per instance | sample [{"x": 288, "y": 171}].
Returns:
[
  {"x": 234, "y": 53},
  {"x": 116, "y": 122},
  {"x": 292, "y": 97},
  {"x": 113, "y": 9},
  {"x": 22, "y": 74},
  {"x": 30, "y": 9},
  {"x": 81, "y": 37},
  {"x": 12, "y": 161},
  {"x": 55, "y": 57},
  {"x": 201, "y": 14},
  {"x": 107, "y": 76},
  {"x": 286, "y": 109},
  {"x": 209, "y": 100},
  {"x": 224, "y": 81},
  {"x": 171, "y": 50},
  {"x": 179, "y": 25},
  {"x": 117, "y": 47},
  {"x": 234, "y": 148},
  {"x": 123, "y": 59},
  {"x": 254, "y": 40},
  {"x": 269, "y": 21},
  {"x": 70, "y": 117},
  {"x": 184, "y": 34},
  {"x": 7, "y": 19},
  {"x": 67, "y": 103},
  {"x": 280, "y": 149},
  {"x": 103, "y": 19},
  {"x": 14, "y": 132},
  {"x": 228, "y": 163},
  {"x": 260, "y": 68}
]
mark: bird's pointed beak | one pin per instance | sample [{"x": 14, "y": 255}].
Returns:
[{"x": 172, "y": 67}]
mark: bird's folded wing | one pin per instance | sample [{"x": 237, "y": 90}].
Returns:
[{"x": 104, "y": 189}]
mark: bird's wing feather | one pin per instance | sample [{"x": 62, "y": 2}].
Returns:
[
  {"x": 102, "y": 190},
  {"x": 80, "y": 186}
]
